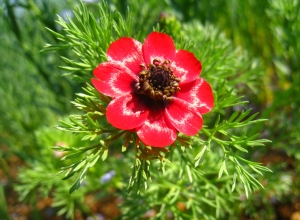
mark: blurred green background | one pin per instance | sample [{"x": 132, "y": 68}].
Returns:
[{"x": 35, "y": 95}]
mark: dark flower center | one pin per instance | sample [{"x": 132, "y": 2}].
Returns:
[{"x": 157, "y": 81}]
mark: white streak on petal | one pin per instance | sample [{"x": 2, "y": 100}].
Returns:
[
  {"x": 129, "y": 59},
  {"x": 179, "y": 70}
]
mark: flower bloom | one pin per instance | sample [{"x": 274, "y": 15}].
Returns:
[{"x": 155, "y": 89}]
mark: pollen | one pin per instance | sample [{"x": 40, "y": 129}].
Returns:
[{"x": 157, "y": 81}]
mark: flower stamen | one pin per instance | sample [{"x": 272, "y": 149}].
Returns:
[{"x": 157, "y": 81}]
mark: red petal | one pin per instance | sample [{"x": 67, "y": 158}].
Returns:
[
  {"x": 184, "y": 117},
  {"x": 157, "y": 131},
  {"x": 159, "y": 46},
  {"x": 128, "y": 51},
  {"x": 114, "y": 79},
  {"x": 126, "y": 112},
  {"x": 186, "y": 66},
  {"x": 199, "y": 94}
]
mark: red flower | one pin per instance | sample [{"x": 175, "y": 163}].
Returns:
[{"x": 156, "y": 89}]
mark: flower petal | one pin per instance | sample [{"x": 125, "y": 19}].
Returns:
[
  {"x": 186, "y": 66},
  {"x": 126, "y": 112},
  {"x": 128, "y": 51},
  {"x": 198, "y": 93},
  {"x": 184, "y": 117},
  {"x": 159, "y": 46},
  {"x": 157, "y": 131},
  {"x": 114, "y": 79}
]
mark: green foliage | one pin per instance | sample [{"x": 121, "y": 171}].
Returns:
[
  {"x": 89, "y": 40},
  {"x": 250, "y": 55},
  {"x": 29, "y": 82},
  {"x": 43, "y": 179},
  {"x": 184, "y": 191},
  {"x": 231, "y": 144},
  {"x": 26, "y": 102},
  {"x": 220, "y": 60},
  {"x": 3, "y": 206}
]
